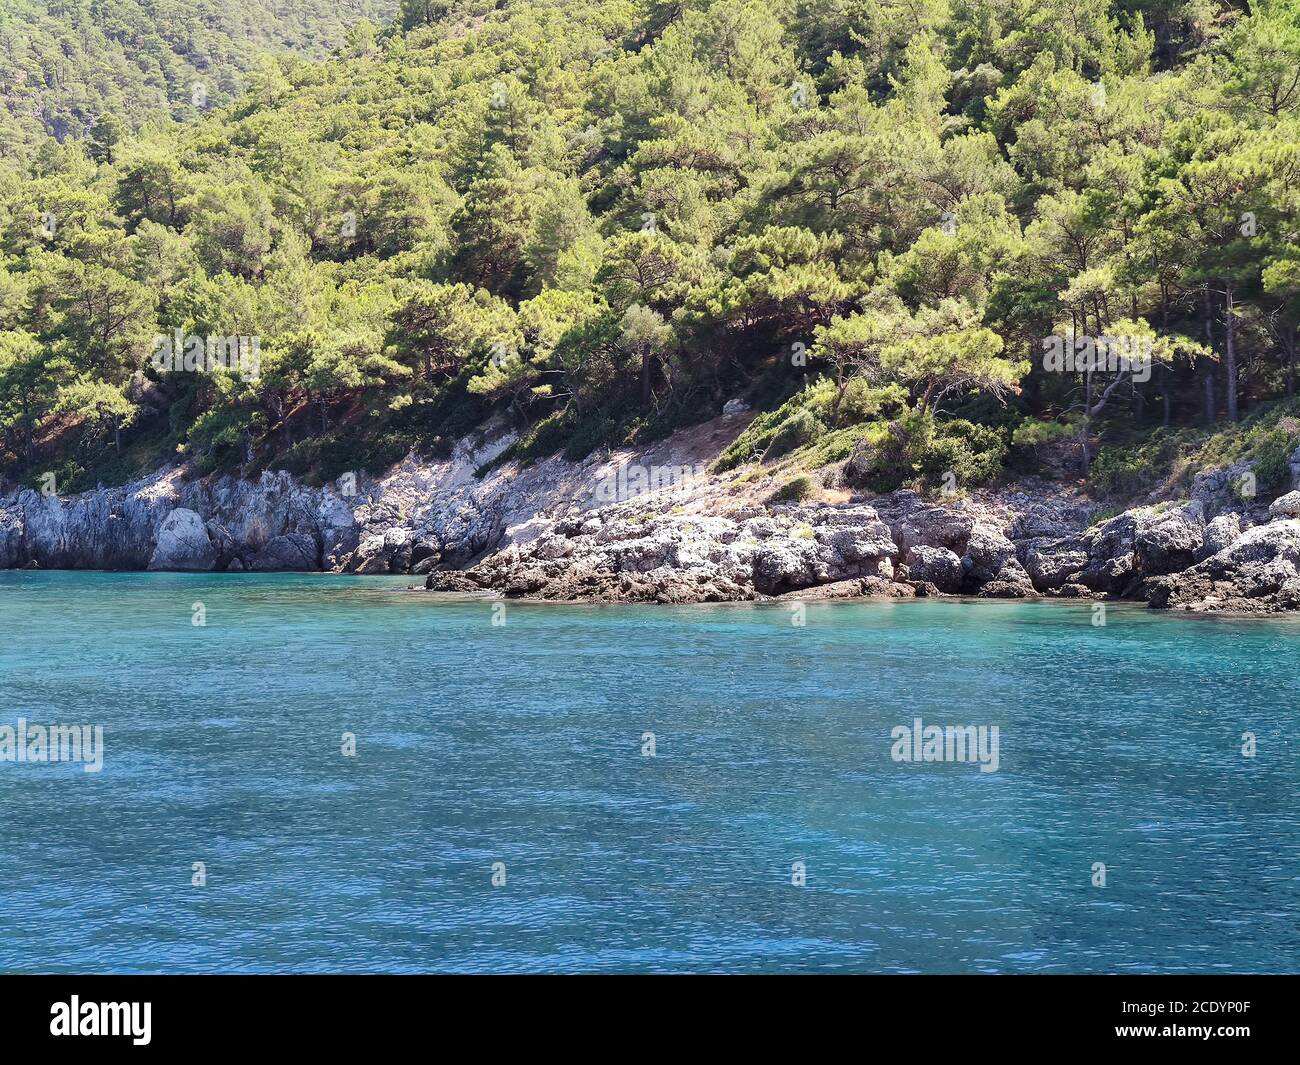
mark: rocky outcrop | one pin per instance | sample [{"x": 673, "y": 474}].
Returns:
[
  {"x": 183, "y": 543},
  {"x": 469, "y": 524},
  {"x": 991, "y": 557},
  {"x": 290, "y": 551},
  {"x": 1114, "y": 557},
  {"x": 1167, "y": 541},
  {"x": 1223, "y": 490},
  {"x": 1051, "y": 564},
  {"x": 1287, "y": 506},
  {"x": 170, "y": 522},
  {"x": 637, "y": 554},
  {"x": 1258, "y": 572},
  {"x": 1220, "y": 533},
  {"x": 937, "y": 566}
]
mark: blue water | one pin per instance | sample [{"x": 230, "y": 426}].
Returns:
[{"x": 522, "y": 744}]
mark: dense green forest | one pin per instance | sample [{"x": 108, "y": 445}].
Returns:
[
  {"x": 601, "y": 220},
  {"x": 68, "y": 65}
]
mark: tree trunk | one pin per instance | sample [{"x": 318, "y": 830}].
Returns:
[
  {"x": 1086, "y": 459},
  {"x": 1034, "y": 382},
  {"x": 646, "y": 364},
  {"x": 1206, "y": 366},
  {"x": 1230, "y": 351},
  {"x": 1288, "y": 344}
]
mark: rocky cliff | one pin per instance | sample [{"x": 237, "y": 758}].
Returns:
[{"x": 550, "y": 531}]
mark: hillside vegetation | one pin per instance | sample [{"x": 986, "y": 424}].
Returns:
[
  {"x": 602, "y": 220},
  {"x": 76, "y": 68}
]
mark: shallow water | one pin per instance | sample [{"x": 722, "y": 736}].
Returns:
[{"x": 521, "y": 743}]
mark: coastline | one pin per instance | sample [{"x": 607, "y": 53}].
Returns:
[{"x": 561, "y": 531}]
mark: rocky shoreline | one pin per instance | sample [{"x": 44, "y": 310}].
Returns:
[
  {"x": 901, "y": 546},
  {"x": 546, "y": 532}
]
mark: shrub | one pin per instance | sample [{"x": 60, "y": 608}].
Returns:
[
  {"x": 796, "y": 431},
  {"x": 1133, "y": 467},
  {"x": 884, "y": 459},
  {"x": 1272, "y": 453},
  {"x": 217, "y": 437},
  {"x": 793, "y": 491},
  {"x": 810, "y": 416},
  {"x": 973, "y": 453},
  {"x": 758, "y": 435},
  {"x": 68, "y": 477},
  {"x": 916, "y": 447}
]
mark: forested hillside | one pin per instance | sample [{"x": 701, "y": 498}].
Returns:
[
  {"x": 603, "y": 219},
  {"x": 65, "y": 64}
]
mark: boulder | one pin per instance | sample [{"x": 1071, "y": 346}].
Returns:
[
  {"x": 987, "y": 551},
  {"x": 1111, "y": 563},
  {"x": 936, "y": 566},
  {"x": 999, "y": 589},
  {"x": 934, "y": 527},
  {"x": 1277, "y": 539},
  {"x": 1052, "y": 563},
  {"x": 855, "y": 588},
  {"x": 786, "y": 564},
  {"x": 423, "y": 549},
  {"x": 1168, "y": 541},
  {"x": 1220, "y": 533},
  {"x": 856, "y": 545},
  {"x": 1074, "y": 591},
  {"x": 1220, "y": 490},
  {"x": 1010, "y": 582},
  {"x": 224, "y": 545},
  {"x": 1049, "y": 521},
  {"x": 369, "y": 557},
  {"x": 1287, "y": 506},
  {"x": 1258, "y": 571},
  {"x": 183, "y": 544},
  {"x": 293, "y": 551},
  {"x": 526, "y": 532},
  {"x": 398, "y": 542}
]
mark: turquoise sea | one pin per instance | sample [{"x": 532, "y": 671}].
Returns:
[{"x": 523, "y": 743}]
